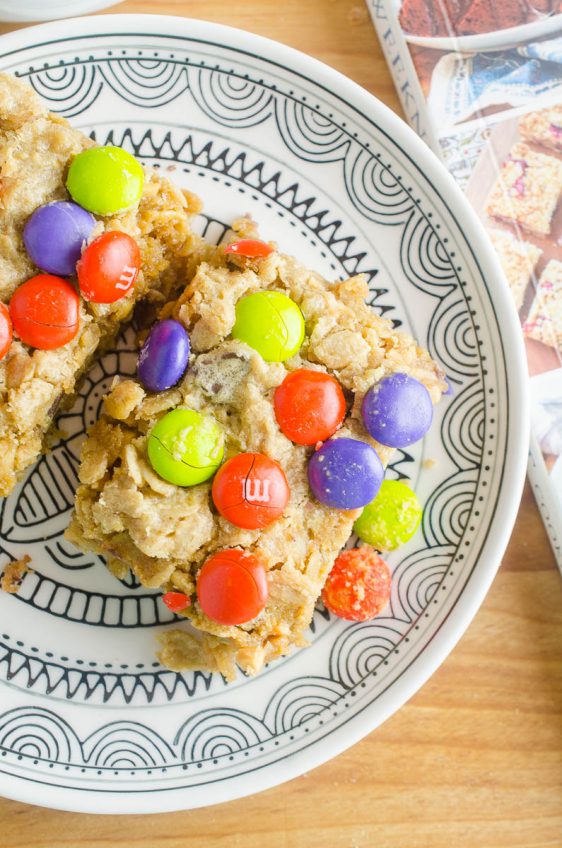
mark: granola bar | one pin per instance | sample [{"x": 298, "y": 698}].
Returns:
[
  {"x": 544, "y": 323},
  {"x": 164, "y": 533},
  {"x": 527, "y": 190},
  {"x": 518, "y": 260},
  {"x": 35, "y": 151},
  {"x": 543, "y": 127}
]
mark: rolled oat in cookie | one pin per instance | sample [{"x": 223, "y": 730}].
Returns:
[
  {"x": 166, "y": 533},
  {"x": 36, "y": 150}
]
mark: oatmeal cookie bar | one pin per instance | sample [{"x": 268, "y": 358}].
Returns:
[
  {"x": 518, "y": 260},
  {"x": 36, "y": 149},
  {"x": 164, "y": 533},
  {"x": 527, "y": 190},
  {"x": 544, "y": 323},
  {"x": 543, "y": 127}
]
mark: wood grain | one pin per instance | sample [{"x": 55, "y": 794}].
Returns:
[{"x": 475, "y": 758}]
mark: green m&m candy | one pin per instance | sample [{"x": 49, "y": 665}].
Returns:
[
  {"x": 186, "y": 447},
  {"x": 105, "y": 180},
  {"x": 271, "y": 323},
  {"x": 391, "y": 518}
]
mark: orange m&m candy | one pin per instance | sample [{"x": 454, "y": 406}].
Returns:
[
  {"x": 358, "y": 586},
  {"x": 232, "y": 586},
  {"x": 176, "y": 601},
  {"x": 249, "y": 248},
  {"x": 5, "y": 331},
  {"x": 45, "y": 312},
  {"x": 250, "y": 490},
  {"x": 309, "y": 406}
]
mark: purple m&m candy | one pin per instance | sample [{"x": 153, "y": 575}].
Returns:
[
  {"x": 164, "y": 356},
  {"x": 55, "y": 234},
  {"x": 397, "y": 411},
  {"x": 345, "y": 473}
]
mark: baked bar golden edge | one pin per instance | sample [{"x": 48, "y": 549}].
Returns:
[
  {"x": 125, "y": 512},
  {"x": 36, "y": 148}
]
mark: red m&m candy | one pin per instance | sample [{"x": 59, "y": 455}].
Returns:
[
  {"x": 109, "y": 267},
  {"x": 5, "y": 330},
  {"x": 250, "y": 490},
  {"x": 309, "y": 406},
  {"x": 232, "y": 586},
  {"x": 45, "y": 312}
]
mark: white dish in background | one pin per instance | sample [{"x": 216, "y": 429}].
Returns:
[
  {"x": 88, "y": 719},
  {"x": 500, "y": 39},
  {"x": 24, "y": 11}
]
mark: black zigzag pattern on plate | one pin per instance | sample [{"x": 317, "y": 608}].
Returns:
[
  {"x": 379, "y": 196},
  {"x": 65, "y": 680},
  {"x": 264, "y": 179}
]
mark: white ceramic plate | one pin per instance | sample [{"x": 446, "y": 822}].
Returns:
[
  {"x": 500, "y": 39},
  {"x": 48, "y": 10},
  {"x": 88, "y": 719}
]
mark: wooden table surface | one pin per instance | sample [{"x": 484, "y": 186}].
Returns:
[{"x": 475, "y": 758}]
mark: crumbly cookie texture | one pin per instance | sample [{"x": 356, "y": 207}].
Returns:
[
  {"x": 527, "y": 190},
  {"x": 544, "y": 322},
  {"x": 518, "y": 260},
  {"x": 13, "y": 574},
  {"x": 543, "y": 127},
  {"x": 35, "y": 151},
  {"x": 125, "y": 511}
]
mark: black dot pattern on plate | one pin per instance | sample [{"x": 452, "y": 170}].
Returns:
[{"x": 238, "y": 100}]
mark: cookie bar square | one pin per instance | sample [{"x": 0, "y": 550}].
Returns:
[
  {"x": 164, "y": 533},
  {"x": 36, "y": 149},
  {"x": 543, "y": 127},
  {"x": 527, "y": 190},
  {"x": 518, "y": 259},
  {"x": 544, "y": 323}
]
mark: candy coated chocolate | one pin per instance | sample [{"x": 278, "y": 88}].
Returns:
[
  {"x": 55, "y": 235},
  {"x": 45, "y": 312},
  {"x": 176, "y": 601},
  {"x": 105, "y": 180},
  {"x": 345, "y": 473},
  {"x": 391, "y": 519},
  {"x": 186, "y": 447},
  {"x": 397, "y": 411},
  {"x": 109, "y": 267},
  {"x": 358, "y": 586},
  {"x": 249, "y": 248},
  {"x": 250, "y": 490},
  {"x": 309, "y": 406},
  {"x": 5, "y": 330},
  {"x": 164, "y": 356},
  {"x": 271, "y": 323},
  {"x": 232, "y": 586}
]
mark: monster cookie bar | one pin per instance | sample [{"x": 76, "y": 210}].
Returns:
[
  {"x": 518, "y": 260},
  {"x": 292, "y": 393},
  {"x": 544, "y": 323},
  {"x": 527, "y": 190},
  {"x": 543, "y": 127},
  {"x": 48, "y": 334}
]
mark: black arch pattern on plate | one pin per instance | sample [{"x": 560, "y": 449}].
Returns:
[{"x": 378, "y": 195}]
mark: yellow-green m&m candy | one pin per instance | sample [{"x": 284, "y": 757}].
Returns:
[
  {"x": 186, "y": 447},
  {"x": 105, "y": 180},
  {"x": 391, "y": 519},
  {"x": 271, "y": 323}
]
